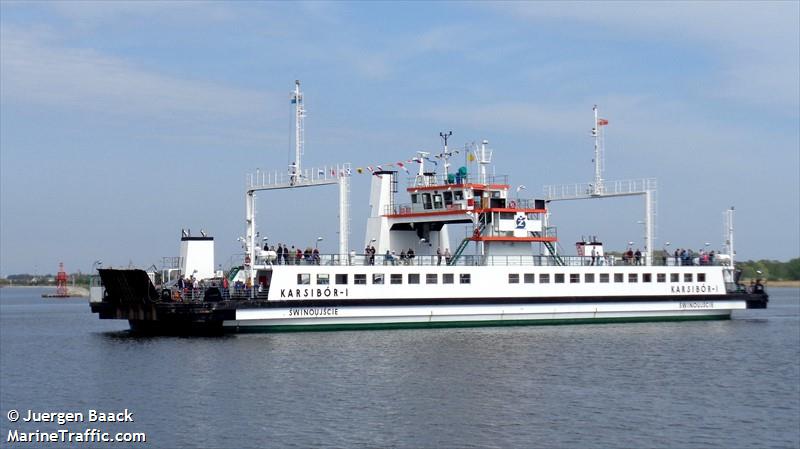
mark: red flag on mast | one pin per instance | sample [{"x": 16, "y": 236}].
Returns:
[{"x": 602, "y": 122}]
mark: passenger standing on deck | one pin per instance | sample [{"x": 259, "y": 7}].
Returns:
[
  {"x": 594, "y": 255},
  {"x": 410, "y": 255},
  {"x": 447, "y": 256},
  {"x": 438, "y": 256},
  {"x": 372, "y": 255},
  {"x": 638, "y": 256},
  {"x": 290, "y": 256}
]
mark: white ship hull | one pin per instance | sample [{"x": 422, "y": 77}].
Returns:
[{"x": 323, "y": 317}]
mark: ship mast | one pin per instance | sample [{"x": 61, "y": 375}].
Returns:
[
  {"x": 295, "y": 169},
  {"x": 598, "y": 154}
]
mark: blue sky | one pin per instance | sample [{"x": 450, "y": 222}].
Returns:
[{"x": 123, "y": 122}]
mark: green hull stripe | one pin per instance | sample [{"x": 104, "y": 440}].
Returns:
[{"x": 445, "y": 324}]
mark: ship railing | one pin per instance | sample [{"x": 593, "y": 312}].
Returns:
[
  {"x": 453, "y": 179},
  {"x": 360, "y": 259}
]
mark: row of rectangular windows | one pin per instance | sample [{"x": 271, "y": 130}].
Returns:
[
  {"x": 380, "y": 278},
  {"x": 604, "y": 278}
]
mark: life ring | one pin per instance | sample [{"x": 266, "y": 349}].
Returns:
[
  {"x": 512, "y": 204},
  {"x": 476, "y": 233}
]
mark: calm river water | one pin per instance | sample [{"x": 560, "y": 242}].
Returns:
[{"x": 726, "y": 384}]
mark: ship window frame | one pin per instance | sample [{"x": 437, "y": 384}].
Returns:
[
  {"x": 427, "y": 202},
  {"x": 647, "y": 277},
  {"x": 303, "y": 278},
  {"x": 574, "y": 278},
  {"x": 513, "y": 278},
  {"x": 605, "y": 278},
  {"x": 633, "y": 278},
  {"x": 414, "y": 198},
  {"x": 701, "y": 277},
  {"x": 378, "y": 279},
  {"x": 588, "y": 278},
  {"x": 360, "y": 279},
  {"x": 341, "y": 279},
  {"x": 558, "y": 278},
  {"x": 396, "y": 279},
  {"x": 431, "y": 278},
  {"x": 529, "y": 278},
  {"x": 619, "y": 278},
  {"x": 544, "y": 278},
  {"x": 323, "y": 279},
  {"x": 661, "y": 277},
  {"x": 674, "y": 277},
  {"x": 448, "y": 198},
  {"x": 413, "y": 278},
  {"x": 688, "y": 277},
  {"x": 440, "y": 203},
  {"x": 458, "y": 195},
  {"x": 465, "y": 278},
  {"x": 448, "y": 278}
]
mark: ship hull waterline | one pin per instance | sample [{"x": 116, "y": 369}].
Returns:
[{"x": 316, "y": 316}]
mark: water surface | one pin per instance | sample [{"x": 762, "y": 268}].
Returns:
[{"x": 725, "y": 384}]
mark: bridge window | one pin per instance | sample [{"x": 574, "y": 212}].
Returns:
[
  {"x": 465, "y": 278},
  {"x": 360, "y": 279},
  {"x": 513, "y": 278},
  {"x": 604, "y": 278},
  {"x": 633, "y": 277},
  {"x": 618, "y": 277},
  {"x": 341, "y": 279},
  {"x": 673, "y": 277},
  {"x": 661, "y": 277},
  {"x": 431, "y": 278},
  {"x": 530, "y": 278},
  {"x": 544, "y": 278},
  {"x": 574, "y": 278},
  {"x": 437, "y": 201},
  {"x": 448, "y": 198},
  {"x": 559, "y": 278},
  {"x": 323, "y": 279},
  {"x": 588, "y": 278},
  {"x": 303, "y": 278},
  {"x": 447, "y": 278},
  {"x": 377, "y": 278},
  {"x": 458, "y": 195},
  {"x": 687, "y": 277},
  {"x": 413, "y": 278},
  {"x": 701, "y": 277},
  {"x": 396, "y": 278},
  {"x": 426, "y": 200},
  {"x": 414, "y": 198},
  {"x": 647, "y": 277}
]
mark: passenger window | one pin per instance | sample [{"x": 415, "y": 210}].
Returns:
[
  {"x": 377, "y": 278},
  {"x": 323, "y": 279},
  {"x": 396, "y": 278},
  {"x": 303, "y": 278},
  {"x": 447, "y": 278},
  {"x": 465, "y": 278},
  {"x": 341, "y": 279},
  {"x": 513, "y": 278},
  {"x": 413, "y": 278},
  {"x": 360, "y": 279}
]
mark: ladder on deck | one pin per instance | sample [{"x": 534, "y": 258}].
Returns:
[{"x": 464, "y": 243}]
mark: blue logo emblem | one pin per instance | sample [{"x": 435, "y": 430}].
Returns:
[{"x": 521, "y": 222}]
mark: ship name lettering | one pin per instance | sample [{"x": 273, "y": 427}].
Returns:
[
  {"x": 313, "y": 293},
  {"x": 314, "y": 311},
  {"x": 704, "y": 288},
  {"x": 697, "y": 305}
]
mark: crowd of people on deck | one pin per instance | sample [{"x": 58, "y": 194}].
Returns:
[{"x": 294, "y": 256}]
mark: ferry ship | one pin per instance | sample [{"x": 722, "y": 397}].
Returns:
[{"x": 507, "y": 269}]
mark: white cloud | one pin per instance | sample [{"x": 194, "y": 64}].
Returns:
[
  {"x": 40, "y": 71},
  {"x": 757, "y": 43}
]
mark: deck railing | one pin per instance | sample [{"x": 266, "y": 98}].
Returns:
[{"x": 476, "y": 260}]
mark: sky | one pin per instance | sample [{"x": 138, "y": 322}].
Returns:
[{"x": 123, "y": 122}]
